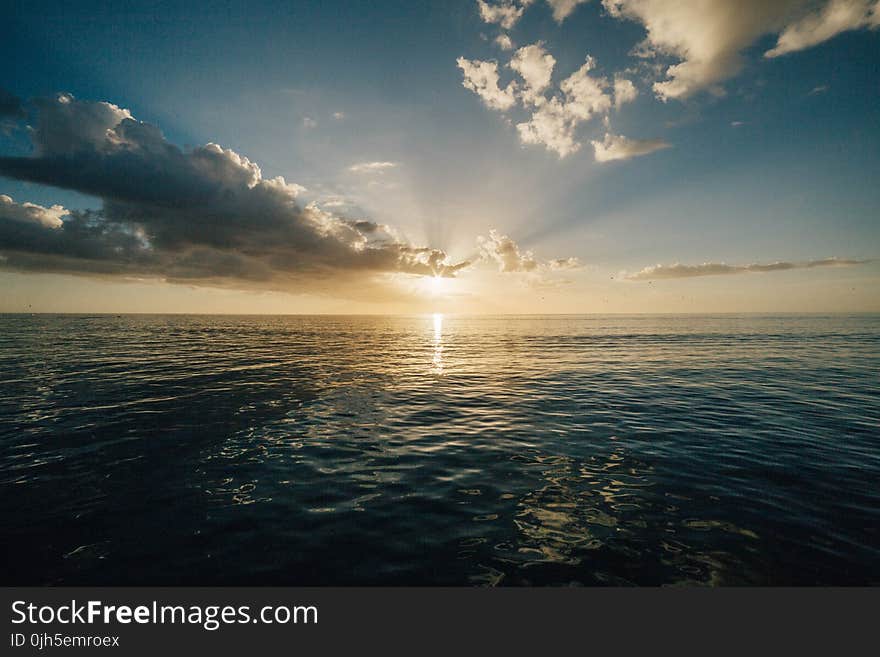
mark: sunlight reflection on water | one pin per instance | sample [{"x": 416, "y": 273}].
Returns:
[{"x": 438, "y": 343}]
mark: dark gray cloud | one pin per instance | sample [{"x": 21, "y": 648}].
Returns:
[
  {"x": 717, "y": 269},
  {"x": 11, "y": 106},
  {"x": 205, "y": 214}
]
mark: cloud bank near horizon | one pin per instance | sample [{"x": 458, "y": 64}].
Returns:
[{"x": 677, "y": 270}]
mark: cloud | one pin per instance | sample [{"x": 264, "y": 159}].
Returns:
[
  {"x": 204, "y": 216},
  {"x": 708, "y": 36},
  {"x": 618, "y": 147},
  {"x": 562, "y": 9},
  {"x": 535, "y": 66},
  {"x": 504, "y": 13},
  {"x": 718, "y": 269},
  {"x": 554, "y": 123},
  {"x": 372, "y": 167},
  {"x": 11, "y": 106},
  {"x": 65, "y": 126},
  {"x": 555, "y": 114},
  {"x": 824, "y": 23},
  {"x": 506, "y": 254},
  {"x": 504, "y": 42},
  {"x": 624, "y": 91},
  {"x": 693, "y": 45},
  {"x": 551, "y": 126},
  {"x": 585, "y": 95},
  {"x": 31, "y": 213},
  {"x": 482, "y": 78},
  {"x": 561, "y": 264}
]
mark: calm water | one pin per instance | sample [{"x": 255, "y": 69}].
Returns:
[{"x": 430, "y": 450}]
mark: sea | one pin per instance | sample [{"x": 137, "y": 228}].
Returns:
[{"x": 591, "y": 450}]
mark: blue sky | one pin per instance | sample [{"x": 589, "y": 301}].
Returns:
[{"x": 773, "y": 159}]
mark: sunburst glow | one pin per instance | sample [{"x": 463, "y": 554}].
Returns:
[{"x": 438, "y": 285}]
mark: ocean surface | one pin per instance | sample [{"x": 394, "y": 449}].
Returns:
[{"x": 535, "y": 450}]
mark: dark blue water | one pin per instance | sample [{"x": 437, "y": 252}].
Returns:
[{"x": 440, "y": 450}]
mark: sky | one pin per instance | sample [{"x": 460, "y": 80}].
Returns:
[{"x": 504, "y": 156}]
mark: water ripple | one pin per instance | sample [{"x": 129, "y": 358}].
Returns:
[{"x": 440, "y": 450}]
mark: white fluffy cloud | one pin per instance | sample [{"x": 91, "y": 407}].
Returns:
[
  {"x": 585, "y": 94},
  {"x": 504, "y": 42},
  {"x": 554, "y": 123},
  {"x": 618, "y": 147},
  {"x": 561, "y": 264},
  {"x": 502, "y": 251},
  {"x": 719, "y": 268},
  {"x": 704, "y": 39},
  {"x": 551, "y": 126},
  {"x": 708, "y": 36},
  {"x": 535, "y": 66},
  {"x": 504, "y": 13},
  {"x": 31, "y": 212},
  {"x": 562, "y": 9},
  {"x": 624, "y": 91},
  {"x": 825, "y": 23},
  {"x": 482, "y": 78},
  {"x": 556, "y": 114}
]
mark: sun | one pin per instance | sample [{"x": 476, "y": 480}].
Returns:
[{"x": 437, "y": 285}]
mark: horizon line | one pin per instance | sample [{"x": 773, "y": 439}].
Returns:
[{"x": 451, "y": 314}]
